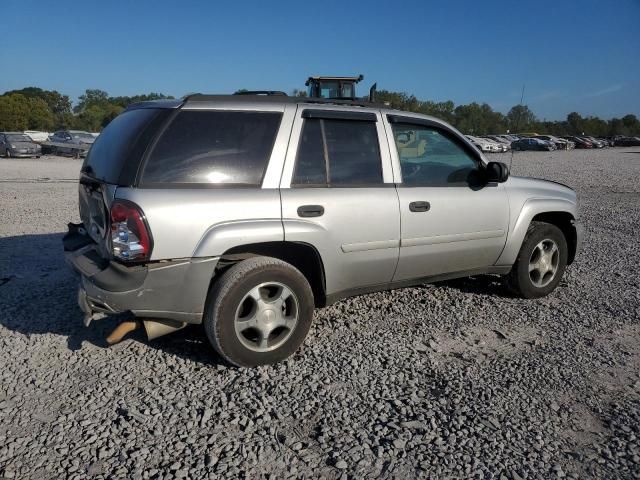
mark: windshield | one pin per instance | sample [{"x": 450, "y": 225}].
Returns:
[{"x": 18, "y": 138}]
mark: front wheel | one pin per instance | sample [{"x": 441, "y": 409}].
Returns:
[
  {"x": 541, "y": 262},
  {"x": 259, "y": 312}
]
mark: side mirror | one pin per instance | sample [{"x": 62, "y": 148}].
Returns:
[{"x": 497, "y": 172}]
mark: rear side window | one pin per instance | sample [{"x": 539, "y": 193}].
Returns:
[
  {"x": 338, "y": 153},
  {"x": 117, "y": 151},
  {"x": 213, "y": 148}
]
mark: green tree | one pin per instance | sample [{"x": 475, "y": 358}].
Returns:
[
  {"x": 399, "y": 100},
  {"x": 470, "y": 119},
  {"x": 631, "y": 123},
  {"x": 40, "y": 116},
  {"x": 124, "y": 102},
  {"x": 520, "y": 119},
  {"x": 91, "y": 98},
  {"x": 575, "y": 123},
  {"x": 617, "y": 127},
  {"x": 14, "y": 112},
  {"x": 89, "y": 119},
  {"x": 57, "y": 103},
  {"x": 442, "y": 110}
]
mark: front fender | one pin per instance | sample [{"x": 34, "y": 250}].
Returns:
[{"x": 518, "y": 230}]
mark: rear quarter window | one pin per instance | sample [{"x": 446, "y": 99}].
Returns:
[
  {"x": 216, "y": 148},
  {"x": 115, "y": 155}
]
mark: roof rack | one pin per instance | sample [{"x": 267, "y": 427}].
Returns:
[
  {"x": 199, "y": 97},
  {"x": 261, "y": 92}
]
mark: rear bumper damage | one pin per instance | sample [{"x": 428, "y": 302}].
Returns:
[{"x": 172, "y": 289}]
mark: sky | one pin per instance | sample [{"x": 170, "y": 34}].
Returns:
[{"x": 570, "y": 55}]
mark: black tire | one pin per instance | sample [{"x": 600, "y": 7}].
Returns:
[
  {"x": 7, "y": 153},
  {"x": 228, "y": 294},
  {"x": 519, "y": 280}
]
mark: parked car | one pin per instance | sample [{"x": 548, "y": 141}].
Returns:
[
  {"x": 504, "y": 144},
  {"x": 595, "y": 142},
  {"x": 579, "y": 142},
  {"x": 244, "y": 213},
  {"x": 560, "y": 143},
  {"x": 16, "y": 144},
  {"x": 75, "y": 139},
  {"x": 485, "y": 145},
  {"x": 37, "y": 136},
  {"x": 626, "y": 141},
  {"x": 510, "y": 138},
  {"x": 532, "y": 144}
]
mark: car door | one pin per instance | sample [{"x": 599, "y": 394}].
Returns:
[
  {"x": 338, "y": 195},
  {"x": 451, "y": 221}
]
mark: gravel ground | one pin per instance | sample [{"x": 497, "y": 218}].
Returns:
[{"x": 456, "y": 380}]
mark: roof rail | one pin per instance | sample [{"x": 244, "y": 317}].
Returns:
[
  {"x": 261, "y": 92},
  {"x": 199, "y": 97}
]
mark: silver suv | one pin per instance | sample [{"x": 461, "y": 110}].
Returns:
[{"x": 245, "y": 213}]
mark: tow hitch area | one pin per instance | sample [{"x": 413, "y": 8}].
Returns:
[
  {"x": 154, "y": 328},
  {"x": 89, "y": 314}
]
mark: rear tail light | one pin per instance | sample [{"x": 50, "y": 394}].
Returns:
[{"x": 130, "y": 235}]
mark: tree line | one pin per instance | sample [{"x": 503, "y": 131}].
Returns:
[
  {"x": 33, "y": 108},
  {"x": 481, "y": 119}
]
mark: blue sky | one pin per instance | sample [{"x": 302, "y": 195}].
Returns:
[{"x": 572, "y": 55}]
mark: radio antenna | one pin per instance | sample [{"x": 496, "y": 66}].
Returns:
[{"x": 517, "y": 122}]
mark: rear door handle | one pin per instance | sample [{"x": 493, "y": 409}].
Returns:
[
  {"x": 310, "y": 211},
  {"x": 419, "y": 206}
]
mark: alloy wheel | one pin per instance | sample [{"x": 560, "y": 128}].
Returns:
[
  {"x": 543, "y": 263},
  {"x": 266, "y": 317}
]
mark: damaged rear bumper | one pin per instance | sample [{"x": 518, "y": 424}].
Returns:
[{"x": 172, "y": 289}]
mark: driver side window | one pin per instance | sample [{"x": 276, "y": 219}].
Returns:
[{"x": 429, "y": 158}]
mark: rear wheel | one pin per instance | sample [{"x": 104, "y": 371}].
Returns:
[
  {"x": 541, "y": 262},
  {"x": 258, "y": 312}
]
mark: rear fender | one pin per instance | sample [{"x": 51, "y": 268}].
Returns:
[{"x": 225, "y": 236}]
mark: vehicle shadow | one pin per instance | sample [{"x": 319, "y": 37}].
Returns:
[
  {"x": 492, "y": 285},
  {"x": 38, "y": 295}
]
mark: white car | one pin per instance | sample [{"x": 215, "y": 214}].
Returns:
[
  {"x": 37, "y": 136},
  {"x": 504, "y": 143},
  {"x": 485, "y": 145}
]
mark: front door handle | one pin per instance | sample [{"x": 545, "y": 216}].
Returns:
[
  {"x": 419, "y": 206},
  {"x": 306, "y": 211}
]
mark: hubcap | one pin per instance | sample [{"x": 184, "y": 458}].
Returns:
[
  {"x": 543, "y": 264},
  {"x": 266, "y": 316}
]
